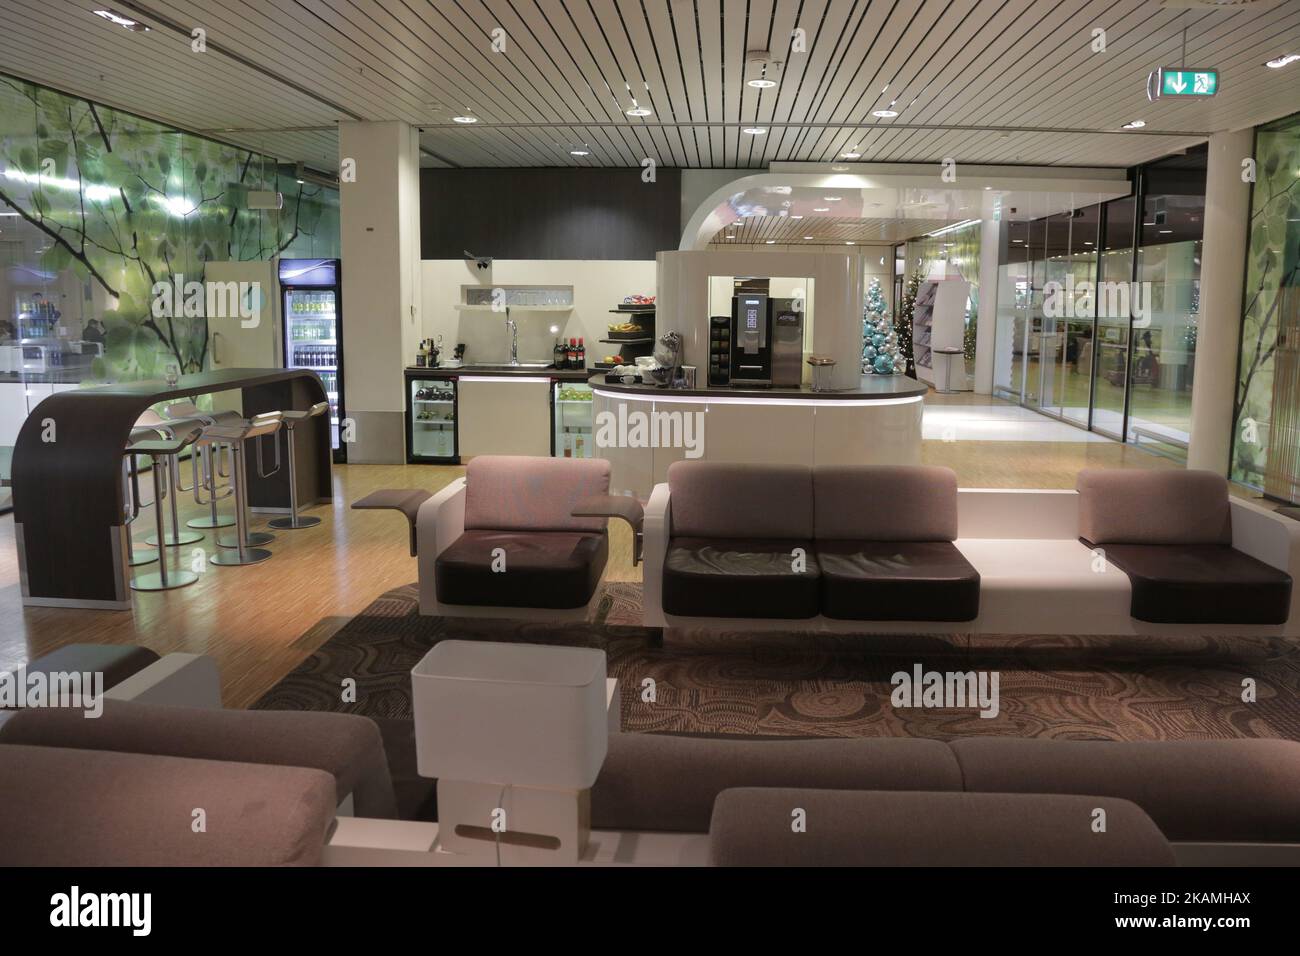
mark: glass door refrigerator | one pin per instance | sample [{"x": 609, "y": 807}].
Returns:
[
  {"x": 571, "y": 407},
  {"x": 431, "y": 420},
  {"x": 313, "y": 330}
]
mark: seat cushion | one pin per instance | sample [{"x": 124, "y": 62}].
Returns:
[
  {"x": 903, "y": 502},
  {"x": 529, "y": 493},
  {"x": 897, "y": 581},
  {"x": 718, "y": 499},
  {"x": 1201, "y": 584},
  {"x": 740, "y": 577},
  {"x": 1176, "y": 506},
  {"x": 543, "y": 569},
  {"x": 116, "y": 662}
]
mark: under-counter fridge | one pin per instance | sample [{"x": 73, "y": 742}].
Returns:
[
  {"x": 431, "y": 433},
  {"x": 311, "y": 304}
]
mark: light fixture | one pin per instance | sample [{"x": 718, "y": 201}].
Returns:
[
  {"x": 1134, "y": 124},
  {"x": 299, "y": 174},
  {"x": 986, "y": 188},
  {"x": 731, "y": 237},
  {"x": 579, "y": 152},
  {"x": 1278, "y": 62},
  {"x": 1165, "y": 232},
  {"x": 831, "y": 198},
  {"x": 639, "y": 110},
  {"x": 822, "y": 209},
  {"x": 840, "y": 169},
  {"x": 762, "y": 83},
  {"x": 850, "y": 242},
  {"x": 465, "y": 119},
  {"x": 754, "y": 130},
  {"x": 885, "y": 114},
  {"x": 769, "y": 241},
  {"x": 852, "y": 153},
  {"x": 807, "y": 237},
  {"x": 1086, "y": 242},
  {"x": 112, "y": 16},
  {"x": 796, "y": 217}
]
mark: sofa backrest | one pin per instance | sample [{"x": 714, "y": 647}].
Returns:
[
  {"x": 1153, "y": 507},
  {"x": 524, "y": 493},
  {"x": 885, "y": 502},
  {"x": 713, "y": 499}
]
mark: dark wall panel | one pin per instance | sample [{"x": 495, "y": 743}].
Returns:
[{"x": 548, "y": 213}]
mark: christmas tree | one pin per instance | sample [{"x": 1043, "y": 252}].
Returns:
[
  {"x": 903, "y": 323},
  {"x": 880, "y": 342}
]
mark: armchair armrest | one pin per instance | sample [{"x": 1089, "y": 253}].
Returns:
[
  {"x": 185, "y": 680},
  {"x": 656, "y": 530},
  {"x": 615, "y": 506},
  {"x": 440, "y": 521},
  {"x": 1272, "y": 538}
]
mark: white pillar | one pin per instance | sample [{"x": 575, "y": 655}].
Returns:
[
  {"x": 1223, "y": 266},
  {"x": 379, "y": 221},
  {"x": 986, "y": 329}
]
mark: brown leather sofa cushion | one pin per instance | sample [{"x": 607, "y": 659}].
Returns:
[
  {"x": 544, "y": 569},
  {"x": 346, "y": 746},
  {"x": 65, "y": 807},
  {"x": 753, "y": 827},
  {"x": 1118, "y": 506},
  {"x": 885, "y": 502},
  {"x": 1201, "y": 584},
  {"x": 667, "y": 783},
  {"x": 716, "y": 499},
  {"x": 740, "y": 577},
  {"x": 1195, "y": 790},
  {"x": 897, "y": 581},
  {"x": 116, "y": 662}
]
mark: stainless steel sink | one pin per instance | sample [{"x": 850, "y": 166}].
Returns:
[{"x": 501, "y": 367}]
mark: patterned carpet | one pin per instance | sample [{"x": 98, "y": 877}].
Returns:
[{"x": 819, "y": 685}]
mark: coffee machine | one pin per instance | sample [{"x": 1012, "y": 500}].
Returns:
[{"x": 751, "y": 338}]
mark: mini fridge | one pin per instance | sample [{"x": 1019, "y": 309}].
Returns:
[
  {"x": 572, "y": 435},
  {"x": 431, "y": 436},
  {"x": 313, "y": 330}
]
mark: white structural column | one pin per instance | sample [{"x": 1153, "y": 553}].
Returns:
[
  {"x": 986, "y": 329},
  {"x": 380, "y": 225},
  {"x": 1223, "y": 266}
]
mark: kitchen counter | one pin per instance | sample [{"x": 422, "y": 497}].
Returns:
[
  {"x": 871, "y": 388},
  {"x": 495, "y": 371}
]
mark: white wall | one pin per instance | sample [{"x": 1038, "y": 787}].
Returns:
[{"x": 598, "y": 286}]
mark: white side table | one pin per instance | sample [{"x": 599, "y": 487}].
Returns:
[{"x": 954, "y": 361}]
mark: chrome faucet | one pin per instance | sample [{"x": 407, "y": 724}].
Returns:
[{"x": 512, "y": 329}]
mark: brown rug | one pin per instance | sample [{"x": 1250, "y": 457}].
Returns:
[{"x": 839, "y": 686}]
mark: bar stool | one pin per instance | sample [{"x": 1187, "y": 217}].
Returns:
[
  {"x": 159, "y": 450},
  {"x": 294, "y": 520},
  {"x": 131, "y": 506},
  {"x": 209, "y": 460},
  {"x": 169, "y": 429},
  {"x": 244, "y": 545}
]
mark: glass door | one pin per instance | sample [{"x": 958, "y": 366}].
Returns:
[
  {"x": 431, "y": 420},
  {"x": 1113, "y": 306},
  {"x": 573, "y": 420}
]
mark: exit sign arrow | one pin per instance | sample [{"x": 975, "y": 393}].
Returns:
[{"x": 1182, "y": 81}]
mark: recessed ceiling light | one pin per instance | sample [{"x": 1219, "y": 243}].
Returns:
[
  {"x": 988, "y": 187},
  {"x": 640, "y": 111},
  {"x": 465, "y": 119},
  {"x": 822, "y": 209},
  {"x": 579, "y": 152},
  {"x": 754, "y": 130},
  {"x": 1086, "y": 242},
  {"x": 762, "y": 84},
  {"x": 885, "y": 114},
  {"x": 1278, "y": 62},
  {"x": 1135, "y": 124},
  {"x": 850, "y": 155},
  {"x": 796, "y": 217},
  {"x": 1165, "y": 232},
  {"x": 831, "y": 198},
  {"x": 731, "y": 237},
  {"x": 112, "y": 16},
  {"x": 807, "y": 237},
  {"x": 850, "y": 242},
  {"x": 769, "y": 241}
]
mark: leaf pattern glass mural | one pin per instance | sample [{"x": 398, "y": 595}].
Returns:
[
  {"x": 105, "y": 204},
  {"x": 959, "y": 249},
  {"x": 1272, "y": 278}
]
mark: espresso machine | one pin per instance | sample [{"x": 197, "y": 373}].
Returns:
[
  {"x": 751, "y": 338},
  {"x": 787, "y": 342}
]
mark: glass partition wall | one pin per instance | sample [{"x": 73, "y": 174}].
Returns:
[{"x": 1098, "y": 307}]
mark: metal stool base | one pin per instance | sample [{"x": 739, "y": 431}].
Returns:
[
  {"x": 139, "y": 559},
  {"x": 296, "y": 521},
  {"x": 153, "y": 580},
  {"x": 224, "y": 521},
  {"x": 231, "y": 558},
  {"x": 255, "y": 539},
  {"x": 173, "y": 541}
]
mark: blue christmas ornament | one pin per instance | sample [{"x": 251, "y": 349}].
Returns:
[
  {"x": 869, "y": 353},
  {"x": 877, "y": 340},
  {"x": 883, "y": 365}
]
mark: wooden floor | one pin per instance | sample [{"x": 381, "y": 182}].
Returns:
[{"x": 260, "y": 621}]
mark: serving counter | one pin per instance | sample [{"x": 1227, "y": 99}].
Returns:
[{"x": 642, "y": 429}]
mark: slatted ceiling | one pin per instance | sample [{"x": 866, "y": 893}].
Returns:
[
  {"x": 757, "y": 230},
  {"x": 565, "y": 78}
]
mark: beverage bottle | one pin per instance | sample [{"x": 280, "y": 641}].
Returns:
[
  {"x": 568, "y": 448},
  {"x": 557, "y": 355},
  {"x": 582, "y": 354},
  {"x": 573, "y": 354}
]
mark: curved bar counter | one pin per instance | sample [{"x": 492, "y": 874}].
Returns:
[
  {"x": 67, "y": 476},
  {"x": 642, "y": 429}
]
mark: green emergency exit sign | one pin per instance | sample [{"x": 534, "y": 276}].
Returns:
[{"x": 1182, "y": 81}]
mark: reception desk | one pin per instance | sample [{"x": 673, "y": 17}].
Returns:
[
  {"x": 642, "y": 429},
  {"x": 67, "y": 476}
]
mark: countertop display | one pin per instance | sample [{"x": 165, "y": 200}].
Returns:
[
  {"x": 872, "y": 387},
  {"x": 468, "y": 371}
]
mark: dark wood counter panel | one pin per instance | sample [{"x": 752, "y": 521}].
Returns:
[{"x": 68, "y": 492}]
